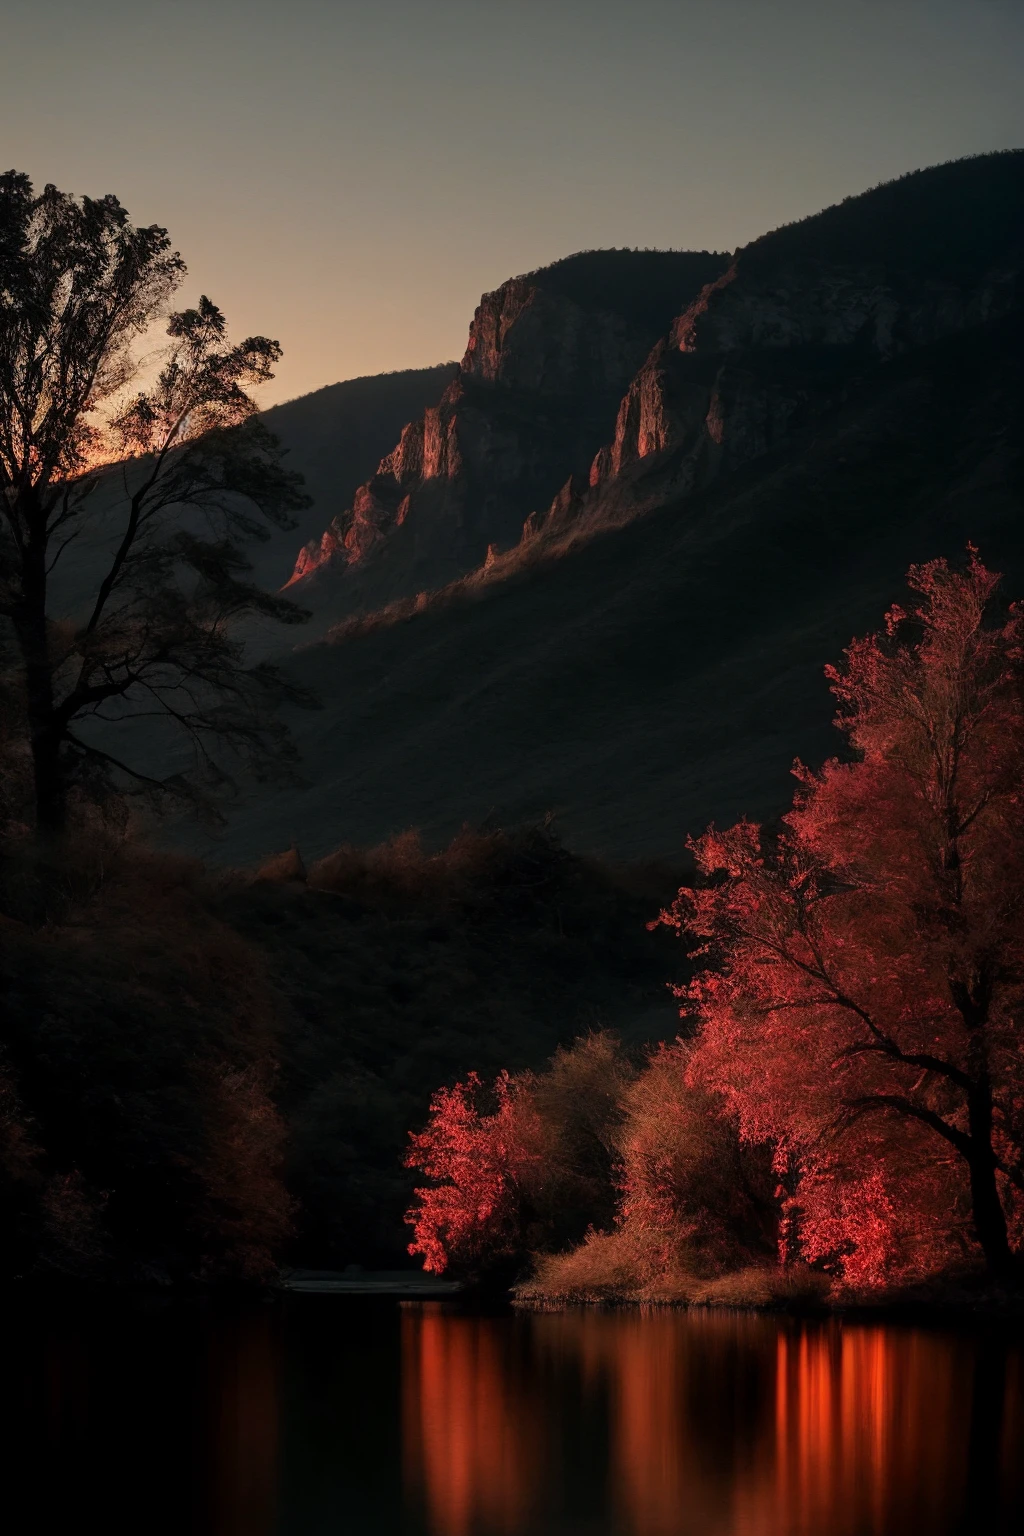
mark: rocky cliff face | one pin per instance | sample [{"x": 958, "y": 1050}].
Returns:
[
  {"x": 776, "y": 342},
  {"x": 864, "y": 374},
  {"x": 547, "y": 359}
]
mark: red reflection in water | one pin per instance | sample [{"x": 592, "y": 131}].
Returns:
[
  {"x": 689, "y": 1414},
  {"x": 870, "y": 1432},
  {"x": 244, "y": 1432},
  {"x": 717, "y": 1425},
  {"x": 470, "y": 1433}
]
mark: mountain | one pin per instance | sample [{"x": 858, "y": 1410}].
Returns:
[
  {"x": 548, "y": 357},
  {"x": 845, "y": 399},
  {"x": 335, "y": 436},
  {"x": 779, "y": 340}
]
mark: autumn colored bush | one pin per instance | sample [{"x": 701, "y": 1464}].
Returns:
[
  {"x": 526, "y": 1164},
  {"x": 848, "y": 1088},
  {"x": 626, "y": 1263},
  {"x": 469, "y": 1216},
  {"x": 571, "y": 1124},
  {"x": 612, "y": 1178},
  {"x": 686, "y": 1180},
  {"x": 693, "y": 1201},
  {"x": 630, "y": 1264},
  {"x": 862, "y": 1004}
]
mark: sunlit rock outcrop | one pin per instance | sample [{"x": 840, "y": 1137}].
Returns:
[
  {"x": 799, "y": 317},
  {"x": 547, "y": 359}
]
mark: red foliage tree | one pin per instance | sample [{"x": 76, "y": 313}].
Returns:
[
  {"x": 863, "y": 1007},
  {"x": 525, "y": 1165},
  {"x": 470, "y": 1213}
]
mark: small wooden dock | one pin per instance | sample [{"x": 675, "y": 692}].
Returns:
[{"x": 404, "y": 1285}]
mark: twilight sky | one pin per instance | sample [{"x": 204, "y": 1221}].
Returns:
[{"x": 349, "y": 175}]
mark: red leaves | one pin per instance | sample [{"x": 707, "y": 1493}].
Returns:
[
  {"x": 866, "y": 1001},
  {"x": 526, "y": 1164},
  {"x": 861, "y": 1009},
  {"x": 470, "y": 1211}
]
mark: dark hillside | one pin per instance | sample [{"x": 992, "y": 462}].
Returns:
[
  {"x": 396, "y": 971},
  {"x": 946, "y": 223},
  {"x": 665, "y": 674},
  {"x": 333, "y": 437},
  {"x": 643, "y": 286},
  {"x": 201, "y": 1077}
]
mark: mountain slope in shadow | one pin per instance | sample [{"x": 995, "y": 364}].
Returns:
[
  {"x": 842, "y": 400},
  {"x": 666, "y": 673}
]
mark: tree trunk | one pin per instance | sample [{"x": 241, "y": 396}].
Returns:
[
  {"x": 48, "y": 782},
  {"x": 45, "y": 734},
  {"x": 989, "y": 1217}
]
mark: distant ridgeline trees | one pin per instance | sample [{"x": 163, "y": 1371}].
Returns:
[
  {"x": 907, "y": 223},
  {"x": 642, "y": 285},
  {"x": 849, "y": 1084},
  {"x": 197, "y": 475}
]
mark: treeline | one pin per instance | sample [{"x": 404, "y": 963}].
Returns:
[
  {"x": 205, "y": 1077},
  {"x": 611, "y": 1171},
  {"x": 139, "y": 1138},
  {"x": 903, "y": 226},
  {"x": 845, "y": 1102},
  {"x": 648, "y": 287}
]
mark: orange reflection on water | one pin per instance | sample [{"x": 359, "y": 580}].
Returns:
[
  {"x": 471, "y": 1436},
  {"x": 703, "y": 1425},
  {"x": 667, "y": 1479},
  {"x": 870, "y": 1431},
  {"x": 244, "y": 1432}
]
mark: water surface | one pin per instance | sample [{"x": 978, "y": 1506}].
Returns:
[{"x": 335, "y": 1416}]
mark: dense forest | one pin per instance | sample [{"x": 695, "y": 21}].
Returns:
[{"x": 208, "y": 1075}]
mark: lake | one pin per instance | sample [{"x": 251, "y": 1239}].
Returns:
[{"x": 338, "y": 1416}]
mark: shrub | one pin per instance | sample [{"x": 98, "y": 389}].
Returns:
[
  {"x": 139, "y": 1135},
  {"x": 528, "y": 1165},
  {"x": 685, "y": 1174}
]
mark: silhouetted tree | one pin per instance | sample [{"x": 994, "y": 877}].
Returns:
[{"x": 161, "y": 488}]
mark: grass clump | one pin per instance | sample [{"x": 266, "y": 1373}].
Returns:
[{"x": 626, "y": 1266}]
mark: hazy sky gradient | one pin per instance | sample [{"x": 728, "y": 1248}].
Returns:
[{"x": 349, "y": 176}]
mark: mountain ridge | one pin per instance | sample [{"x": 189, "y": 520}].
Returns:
[
  {"x": 548, "y": 355},
  {"x": 650, "y": 657},
  {"x": 777, "y": 340},
  {"x": 665, "y": 673}
]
